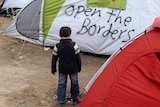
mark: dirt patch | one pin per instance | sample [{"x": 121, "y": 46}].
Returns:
[{"x": 26, "y": 79}]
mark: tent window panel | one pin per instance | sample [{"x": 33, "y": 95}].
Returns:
[{"x": 27, "y": 23}]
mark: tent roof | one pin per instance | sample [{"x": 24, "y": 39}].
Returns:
[{"x": 131, "y": 78}]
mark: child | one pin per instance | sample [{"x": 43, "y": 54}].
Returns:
[{"x": 68, "y": 54}]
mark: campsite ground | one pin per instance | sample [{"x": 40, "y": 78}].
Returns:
[{"x": 26, "y": 80}]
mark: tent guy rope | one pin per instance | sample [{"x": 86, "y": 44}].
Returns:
[{"x": 24, "y": 40}]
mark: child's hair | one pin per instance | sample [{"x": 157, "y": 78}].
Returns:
[{"x": 65, "y": 31}]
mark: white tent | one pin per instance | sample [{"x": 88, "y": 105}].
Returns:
[
  {"x": 15, "y": 3},
  {"x": 95, "y": 29}
]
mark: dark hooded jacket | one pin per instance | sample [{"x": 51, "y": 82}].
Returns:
[{"x": 68, "y": 54}]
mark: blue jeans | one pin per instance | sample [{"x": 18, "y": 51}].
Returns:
[{"x": 62, "y": 84}]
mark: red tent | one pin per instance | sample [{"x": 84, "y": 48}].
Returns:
[{"x": 132, "y": 77}]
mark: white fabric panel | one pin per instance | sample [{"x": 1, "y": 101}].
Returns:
[
  {"x": 126, "y": 24},
  {"x": 15, "y": 3}
]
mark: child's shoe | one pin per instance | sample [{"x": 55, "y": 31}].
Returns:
[{"x": 76, "y": 101}]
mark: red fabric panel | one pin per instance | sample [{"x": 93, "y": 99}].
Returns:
[
  {"x": 156, "y": 22},
  {"x": 131, "y": 79},
  {"x": 139, "y": 86}
]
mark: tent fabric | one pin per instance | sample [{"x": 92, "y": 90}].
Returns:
[
  {"x": 15, "y": 3},
  {"x": 55, "y": 6},
  {"x": 31, "y": 28},
  {"x": 131, "y": 78},
  {"x": 156, "y": 22},
  {"x": 12, "y": 7},
  {"x": 118, "y": 4},
  {"x": 96, "y": 30}
]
